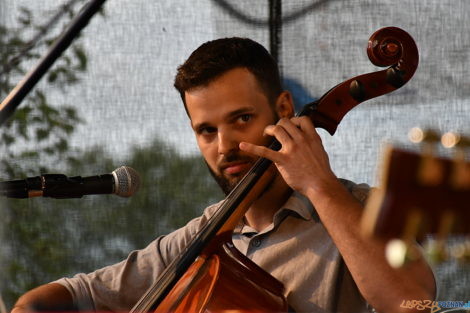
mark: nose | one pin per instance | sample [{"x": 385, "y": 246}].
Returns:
[{"x": 226, "y": 142}]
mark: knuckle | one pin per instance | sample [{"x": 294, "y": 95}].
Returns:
[
  {"x": 277, "y": 129},
  {"x": 306, "y": 120},
  {"x": 303, "y": 139},
  {"x": 282, "y": 121}
]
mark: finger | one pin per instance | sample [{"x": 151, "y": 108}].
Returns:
[
  {"x": 260, "y": 151},
  {"x": 306, "y": 124},
  {"x": 292, "y": 129},
  {"x": 280, "y": 134}
]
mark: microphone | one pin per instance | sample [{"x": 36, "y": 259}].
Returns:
[{"x": 123, "y": 181}]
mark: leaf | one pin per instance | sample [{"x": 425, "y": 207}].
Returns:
[
  {"x": 29, "y": 154},
  {"x": 25, "y": 17},
  {"x": 71, "y": 113},
  {"x": 8, "y": 139},
  {"x": 52, "y": 77},
  {"x": 34, "y": 140},
  {"x": 82, "y": 58},
  {"x": 42, "y": 134},
  {"x": 22, "y": 114},
  {"x": 62, "y": 145},
  {"x": 49, "y": 151}
]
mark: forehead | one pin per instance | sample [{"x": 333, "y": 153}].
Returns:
[{"x": 232, "y": 90}]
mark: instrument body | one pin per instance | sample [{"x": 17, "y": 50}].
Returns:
[{"x": 214, "y": 280}]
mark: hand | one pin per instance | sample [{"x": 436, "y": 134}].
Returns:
[{"x": 302, "y": 160}]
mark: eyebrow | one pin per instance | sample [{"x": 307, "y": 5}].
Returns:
[
  {"x": 229, "y": 116},
  {"x": 244, "y": 110}
]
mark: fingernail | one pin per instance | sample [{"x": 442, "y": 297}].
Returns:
[{"x": 266, "y": 129}]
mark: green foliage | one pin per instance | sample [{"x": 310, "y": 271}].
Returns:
[
  {"x": 35, "y": 139},
  {"x": 54, "y": 238},
  {"x": 39, "y": 129},
  {"x": 44, "y": 239},
  {"x": 174, "y": 188}
]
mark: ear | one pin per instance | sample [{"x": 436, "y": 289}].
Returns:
[{"x": 285, "y": 105}]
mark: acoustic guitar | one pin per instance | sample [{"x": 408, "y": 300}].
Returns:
[{"x": 422, "y": 193}]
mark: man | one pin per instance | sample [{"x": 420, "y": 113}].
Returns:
[{"x": 301, "y": 227}]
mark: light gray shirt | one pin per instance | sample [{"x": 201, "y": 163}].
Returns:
[{"x": 296, "y": 249}]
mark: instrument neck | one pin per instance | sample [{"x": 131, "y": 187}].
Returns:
[{"x": 220, "y": 225}]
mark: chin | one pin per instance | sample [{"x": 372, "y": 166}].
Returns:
[{"x": 228, "y": 185}]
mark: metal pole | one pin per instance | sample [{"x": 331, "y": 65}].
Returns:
[
  {"x": 14, "y": 98},
  {"x": 275, "y": 31}
]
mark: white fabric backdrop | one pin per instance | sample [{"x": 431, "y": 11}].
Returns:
[{"x": 127, "y": 98}]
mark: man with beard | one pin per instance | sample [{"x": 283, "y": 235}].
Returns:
[{"x": 303, "y": 229}]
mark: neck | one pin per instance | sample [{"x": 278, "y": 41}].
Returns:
[{"x": 261, "y": 212}]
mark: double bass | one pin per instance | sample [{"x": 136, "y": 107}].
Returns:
[{"x": 210, "y": 274}]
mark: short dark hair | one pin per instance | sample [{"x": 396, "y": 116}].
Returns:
[{"x": 214, "y": 58}]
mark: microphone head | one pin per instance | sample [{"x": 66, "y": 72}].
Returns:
[{"x": 126, "y": 181}]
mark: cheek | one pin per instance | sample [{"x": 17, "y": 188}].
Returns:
[
  {"x": 258, "y": 137},
  {"x": 209, "y": 152}
]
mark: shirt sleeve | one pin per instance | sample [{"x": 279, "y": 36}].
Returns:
[
  {"x": 118, "y": 287},
  {"x": 359, "y": 191}
]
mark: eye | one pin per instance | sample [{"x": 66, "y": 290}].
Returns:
[
  {"x": 245, "y": 117},
  {"x": 206, "y": 130}
]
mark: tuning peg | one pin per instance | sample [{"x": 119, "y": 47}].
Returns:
[
  {"x": 401, "y": 252},
  {"x": 435, "y": 250},
  {"x": 398, "y": 252},
  {"x": 430, "y": 172},
  {"x": 418, "y": 135},
  {"x": 451, "y": 140},
  {"x": 460, "y": 177}
]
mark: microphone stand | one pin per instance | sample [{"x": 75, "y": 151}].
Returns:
[{"x": 14, "y": 98}]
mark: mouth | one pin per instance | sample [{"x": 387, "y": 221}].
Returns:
[{"x": 236, "y": 168}]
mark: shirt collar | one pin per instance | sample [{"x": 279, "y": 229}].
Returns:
[
  {"x": 300, "y": 205},
  {"x": 296, "y": 205}
]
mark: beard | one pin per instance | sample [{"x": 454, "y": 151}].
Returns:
[{"x": 228, "y": 182}]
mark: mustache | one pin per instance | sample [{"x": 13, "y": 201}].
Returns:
[{"x": 228, "y": 159}]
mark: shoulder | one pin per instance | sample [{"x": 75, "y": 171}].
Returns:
[
  {"x": 179, "y": 238},
  {"x": 195, "y": 225}
]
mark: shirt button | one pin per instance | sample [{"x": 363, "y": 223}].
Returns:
[{"x": 256, "y": 242}]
